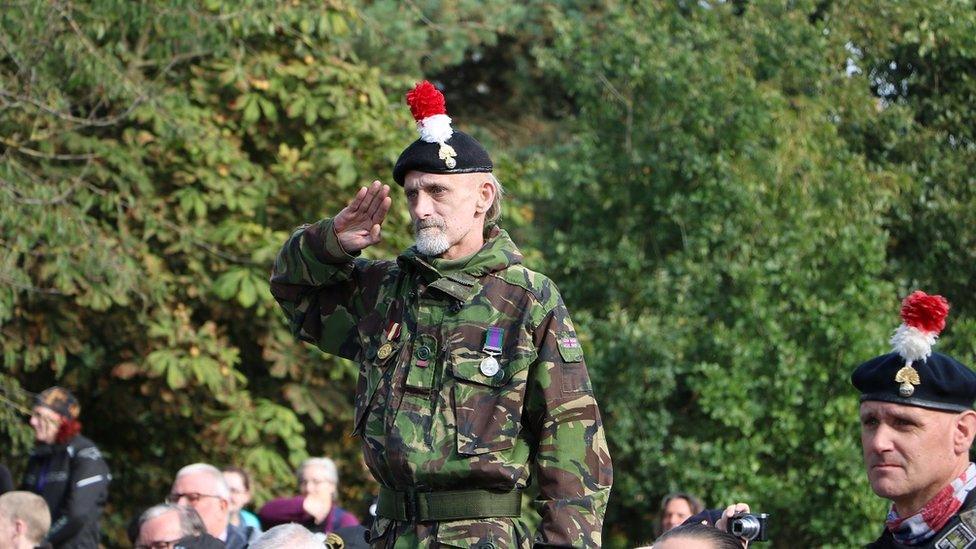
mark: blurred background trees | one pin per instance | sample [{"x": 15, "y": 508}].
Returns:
[{"x": 733, "y": 197}]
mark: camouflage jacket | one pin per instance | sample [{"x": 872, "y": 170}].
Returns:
[{"x": 429, "y": 418}]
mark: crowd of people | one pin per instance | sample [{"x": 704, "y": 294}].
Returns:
[
  {"x": 66, "y": 483},
  {"x": 472, "y": 387}
]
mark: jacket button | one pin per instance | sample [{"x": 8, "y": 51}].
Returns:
[{"x": 423, "y": 353}]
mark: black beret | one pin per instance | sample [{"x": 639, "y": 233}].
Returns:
[
  {"x": 943, "y": 383},
  {"x": 425, "y": 157}
]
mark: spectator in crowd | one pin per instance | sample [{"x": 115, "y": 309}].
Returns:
[
  {"x": 917, "y": 428},
  {"x": 239, "y": 483},
  {"x": 6, "y": 480},
  {"x": 167, "y": 523},
  {"x": 315, "y": 508},
  {"x": 24, "y": 520},
  {"x": 288, "y": 536},
  {"x": 67, "y": 470},
  {"x": 697, "y": 536},
  {"x": 202, "y": 487},
  {"x": 706, "y": 529},
  {"x": 675, "y": 509}
]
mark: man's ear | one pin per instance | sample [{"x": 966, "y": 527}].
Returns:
[
  {"x": 965, "y": 431},
  {"x": 20, "y": 527},
  {"x": 486, "y": 193}
]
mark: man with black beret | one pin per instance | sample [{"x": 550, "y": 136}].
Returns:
[
  {"x": 472, "y": 383},
  {"x": 917, "y": 426}
]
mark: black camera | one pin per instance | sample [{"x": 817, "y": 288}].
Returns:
[{"x": 749, "y": 526}]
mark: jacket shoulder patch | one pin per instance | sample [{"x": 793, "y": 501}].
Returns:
[{"x": 569, "y": 347}]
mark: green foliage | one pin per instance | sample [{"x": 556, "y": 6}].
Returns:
[
  {"x": 712, "y": 176},
  {"x": 155, "y": 157},
  {"x": 731, "y": 195}
]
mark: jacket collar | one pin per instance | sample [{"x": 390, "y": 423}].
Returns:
[{"x": 458, "y": 277}]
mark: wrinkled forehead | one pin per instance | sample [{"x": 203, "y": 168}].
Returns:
[{"x": 415, "y": 179}]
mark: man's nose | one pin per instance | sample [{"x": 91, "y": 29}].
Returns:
[
  {"x": 880, "y": 440},
  {"x": 422, "y": 206}
]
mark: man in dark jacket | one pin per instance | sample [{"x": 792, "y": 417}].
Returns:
[
  {"x": 67, "y": 470},
  {"x": 917, "y": 426}
]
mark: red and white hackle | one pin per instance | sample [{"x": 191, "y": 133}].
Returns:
[
  {"x": 923, "y": 318},
  {"x": 430, "y": 111}
]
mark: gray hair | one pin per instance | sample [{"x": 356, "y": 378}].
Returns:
[
  {"x": 30, "y": 508},
  {"x": 494, "y": 212},
  {"x": 287, "y": 536},
  {"x": 220, "y": 485},
  {"x": 322, "y": 462},
  {"x": 190, "y": 522}
]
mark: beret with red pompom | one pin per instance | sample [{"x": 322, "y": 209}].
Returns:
[
  {"x": 912, "y": 374},
  {"x": 441, "y": 148}
]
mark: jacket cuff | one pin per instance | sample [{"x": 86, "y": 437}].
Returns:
[{"x": 321, "y": 242}]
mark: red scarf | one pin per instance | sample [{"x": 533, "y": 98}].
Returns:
[{"x": 923, "y": 525}]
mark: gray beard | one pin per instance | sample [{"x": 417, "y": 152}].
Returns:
[{"x": 431, "y": 238}]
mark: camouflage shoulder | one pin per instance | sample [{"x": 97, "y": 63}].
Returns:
[
  {"x": 376, "y": 271},
  {"x": 542, "y": 288}
]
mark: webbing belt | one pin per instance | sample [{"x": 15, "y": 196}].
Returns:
[{"x": 447, "y": 505}]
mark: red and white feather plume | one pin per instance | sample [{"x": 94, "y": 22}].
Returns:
[
  {"x": 923, "y": 318},
  {"x": 430, "y": 111}
]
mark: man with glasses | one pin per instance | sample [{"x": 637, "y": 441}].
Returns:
[
  {"x": 202, "y": 487},
  {"x": 161, "y": 526}
]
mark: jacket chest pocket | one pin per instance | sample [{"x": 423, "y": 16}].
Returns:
[
  {"x": 371, "y": 374},
  {"x": 488, "y": 409}
]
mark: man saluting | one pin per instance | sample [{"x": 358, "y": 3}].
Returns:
[{"x": 472, "y": 382}]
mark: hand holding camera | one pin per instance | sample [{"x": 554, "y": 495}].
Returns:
[{"x": 739, "y": 521}]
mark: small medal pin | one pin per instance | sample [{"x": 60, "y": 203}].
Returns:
[
  {"x": 386, "y": 349},
  {"x": 492, "y": 347}
]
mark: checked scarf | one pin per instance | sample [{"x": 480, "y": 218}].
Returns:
[{"x": 923, "y": 525}]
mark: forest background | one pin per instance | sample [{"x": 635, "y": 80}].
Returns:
[{"x": 732, "y": 196}]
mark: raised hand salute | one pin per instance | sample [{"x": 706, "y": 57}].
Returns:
[{"x": 359, "y": 224}]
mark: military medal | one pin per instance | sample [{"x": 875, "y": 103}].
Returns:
[
  {"x": 492, "y": 347},
  {"x": 386, "y": 349}
]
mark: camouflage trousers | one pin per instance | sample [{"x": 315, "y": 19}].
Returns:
[{"x": 495, "y": 533}]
